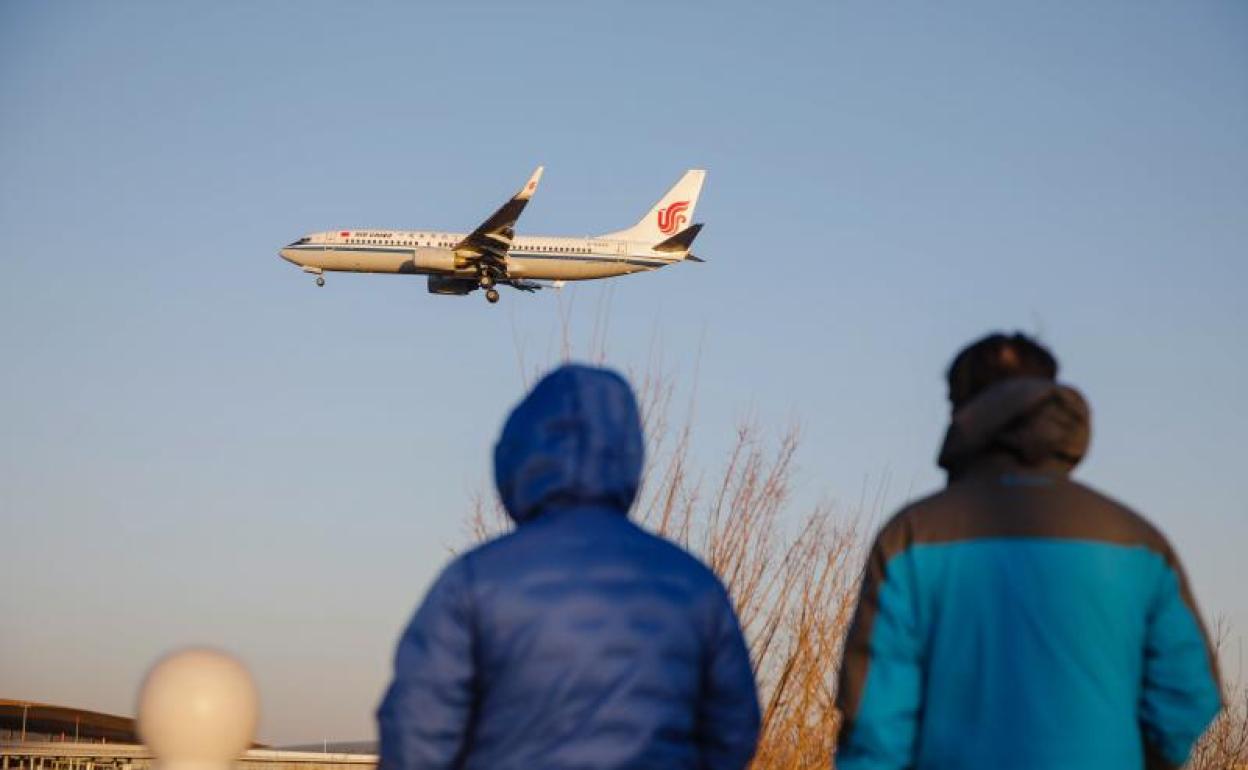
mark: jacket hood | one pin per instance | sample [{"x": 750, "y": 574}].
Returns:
[
  {"x": 1041, "y": 424},
  {"x": 574, "y": 440}
]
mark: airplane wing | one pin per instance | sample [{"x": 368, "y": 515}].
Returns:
[{"x": 488, "y": 244}]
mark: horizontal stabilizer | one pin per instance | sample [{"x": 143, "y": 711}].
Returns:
[{"x": 681, "y": 241}]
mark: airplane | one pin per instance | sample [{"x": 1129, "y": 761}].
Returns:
[{"x": 493, "y": 255}]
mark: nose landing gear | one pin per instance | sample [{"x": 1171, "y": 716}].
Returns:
[{"x": 320, "y": 279}]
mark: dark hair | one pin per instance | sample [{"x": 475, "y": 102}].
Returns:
[{"x": 994, "y": 358}]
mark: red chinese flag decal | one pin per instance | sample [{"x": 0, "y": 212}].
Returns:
[{"x": 345, "y": 233}]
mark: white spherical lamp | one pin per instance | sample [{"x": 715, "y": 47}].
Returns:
[{"x": 198, "y": 710}]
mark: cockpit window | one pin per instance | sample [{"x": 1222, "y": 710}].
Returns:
[{"x": 304, "y": 239}]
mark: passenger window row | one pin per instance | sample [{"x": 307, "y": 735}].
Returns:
[{"x": 449, "y": 244}]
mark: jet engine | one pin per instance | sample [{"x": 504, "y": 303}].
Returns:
[
  {"x": 434, "y": 259},
  {"x": 455, "y": 286}
]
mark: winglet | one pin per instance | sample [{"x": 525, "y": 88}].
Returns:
[{"x": 530, "y": 187}]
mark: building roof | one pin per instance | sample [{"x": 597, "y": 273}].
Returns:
[{"x": 47, "y": 719}]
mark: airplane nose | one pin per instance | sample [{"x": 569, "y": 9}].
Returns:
[{"x": 290, "y": 255}]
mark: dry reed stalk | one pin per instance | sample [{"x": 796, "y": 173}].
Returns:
[{"x": 1224, "y": 745}]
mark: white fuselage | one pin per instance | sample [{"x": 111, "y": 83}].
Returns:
[{"x": 426, "y": 252}]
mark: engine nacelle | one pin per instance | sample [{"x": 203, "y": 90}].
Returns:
[
  {"x": 453, "y": 286},
  {"x": 434, "y": 259}
]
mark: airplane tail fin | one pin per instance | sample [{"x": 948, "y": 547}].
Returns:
[{"x": 667, "y": 217}]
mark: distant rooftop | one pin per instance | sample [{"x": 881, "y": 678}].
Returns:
[
  {"x": 48, "y": 722},
  {"x": 43, "y": 721}
]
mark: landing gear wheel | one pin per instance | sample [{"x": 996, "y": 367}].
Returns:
[
  {"x": 320, "y": 280},
  {"x": 491, "y": 296},
  {"x": 487, "y": 281}
]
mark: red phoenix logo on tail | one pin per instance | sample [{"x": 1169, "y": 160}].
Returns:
[{"x": 672, "y": 217}]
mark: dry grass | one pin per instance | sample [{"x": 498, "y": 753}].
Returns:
[
  {"x": 794, "y": 595},
  {"x": 1225, "y": 744}
]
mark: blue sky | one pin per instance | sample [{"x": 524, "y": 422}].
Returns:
[{"x": 198, "y": 445}]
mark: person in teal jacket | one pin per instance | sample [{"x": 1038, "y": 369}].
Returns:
[{"x": 1019, "y": 619}]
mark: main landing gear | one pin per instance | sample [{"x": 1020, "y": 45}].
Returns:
[
  {"x": 320, "y": 280},
  {"x": 486, "y": 281}
]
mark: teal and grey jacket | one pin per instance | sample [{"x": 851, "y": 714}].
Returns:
[{"x": 1019, "y": 619}]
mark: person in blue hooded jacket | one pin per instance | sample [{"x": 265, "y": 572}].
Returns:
[
  {"x": 578, "y": 640},
  {"x": 1019, "y": 619}
]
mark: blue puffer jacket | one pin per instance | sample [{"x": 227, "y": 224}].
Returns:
[
  {"x": 577, "y": 640},
  {"x": 1019, "y": 619}
]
